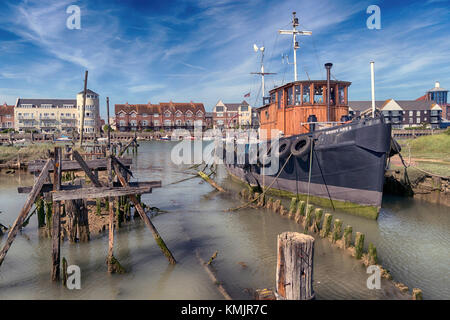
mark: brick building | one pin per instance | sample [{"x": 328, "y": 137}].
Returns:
[
  {"x": 165, "y": 115},
  {"x": 6, "y": 117}
]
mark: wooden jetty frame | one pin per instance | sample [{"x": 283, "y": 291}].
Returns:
[{"x": 57, "y": 192}]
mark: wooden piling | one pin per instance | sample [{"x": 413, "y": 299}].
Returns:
[
  {"x": 372, "y": 254},
  {"x": 326, "y": 225},
  {"x": 347, "y": 237},
  {"x": 359, "y": 245},
  {"x": 64, "y": 271},
  {"x": 337, "y": 230},
  {"x": 317, "y": 219},
  {"x": 56, "y": 219},
  {"x": 276, "y": 206},
  {"x": 308, "y": 216},
  {"x": 417, "y": 294},
  {"x": 293, "y": 207},
  {"x": 294, "y": 273}
]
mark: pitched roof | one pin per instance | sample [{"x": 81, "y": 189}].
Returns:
[
  {"x": 6, "y": 110},
  {"x": 415, "y": 104},
  {"x": 232, "y": 106},
  {"x": 364, "y": 105},
  {"x": 88, "y": 91},
  {"x": 159, "y": 108}
]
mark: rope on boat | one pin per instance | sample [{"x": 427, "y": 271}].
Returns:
[{"x": 264, "y": 191}]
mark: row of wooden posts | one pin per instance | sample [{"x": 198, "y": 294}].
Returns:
[
  {"x": 294, "y": 274},
  {"x": 65, "y": 195}
]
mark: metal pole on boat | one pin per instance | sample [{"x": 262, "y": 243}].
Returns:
[{"x": 372, "y": 76}]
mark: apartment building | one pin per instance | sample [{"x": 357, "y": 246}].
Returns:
[
  {"x": 92, "y": 122},
  {"x": 45, "y": 115}
]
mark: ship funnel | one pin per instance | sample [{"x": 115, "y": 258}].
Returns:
[{"x": 328, "y": 67}]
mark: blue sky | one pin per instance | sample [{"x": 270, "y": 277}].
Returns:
[{"x": 140, "y": 51}]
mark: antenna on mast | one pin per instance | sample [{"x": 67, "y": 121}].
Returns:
[
  {"x": 262, "y": 73},
  {"x": 294, "y": 33}
]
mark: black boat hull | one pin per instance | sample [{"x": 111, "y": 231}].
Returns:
[{"x": 347, "y": 169}]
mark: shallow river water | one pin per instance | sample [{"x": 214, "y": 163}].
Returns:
[{"x": 412, "y": 239}]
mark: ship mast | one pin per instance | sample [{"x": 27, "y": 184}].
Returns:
[
  {"x": 294, "y": 33},
  {"x": 261, "y": 73}
]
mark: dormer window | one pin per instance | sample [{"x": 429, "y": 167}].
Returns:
[
  {"x": 167, "y": 114},
  {"x": 189, "y": 113},
  {"x": 199, "y": 114},
  {"x": 178, "y": 114}
]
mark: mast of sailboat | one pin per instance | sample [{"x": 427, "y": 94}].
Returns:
[
  {"x": 261, "y": 73},
  {"x": 294, "y": 33}
]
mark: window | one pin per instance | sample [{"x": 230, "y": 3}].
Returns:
[
  {"x": 219, "y": 109},
  {"x": 279, "y": 95},
  {"x": 167, "y": 123},
  {"x": 189, "y": 122},
  {"x": 289, "y": 96},
  {"x": 318, "y": 94},
  {"x": 418, "y": 120},
  {"x": 156, "y": 115},
  {"x": 133, "y": 115},
  {"x": 219, "y": 114},
  {"x": 332, "y": 96},
  {"x": 167, "y": 114},
  {"x": 425, "y": 112},
  {"x": 297, "y": 96},
  {"x": 272, "y": 97},
  {"x": 178, "y": 122},
  {"x": 244, "y": 108},
  {"x": 341, "y": 93},
  {"x": 411, "y": 113},
  {"x": 199, "y": 114},
  {"x": 425, "y": 119},
  {"x": 411, "y": 120},
  {"x": 267, "y": 114},
  {"x": 178, "y": 114},
  {"x": 306, "y": 96},
  {"x": 145, "y": 115},
  {"x": 156, "y": 123},
  {"x": 144, "y": 123}
]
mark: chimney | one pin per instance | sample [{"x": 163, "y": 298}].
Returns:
[
  {"x": 328, "y": 67},
  {"x": 437, "y": 84}
]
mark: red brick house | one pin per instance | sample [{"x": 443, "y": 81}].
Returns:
[
  {"x": 6, "y": 117},
  {"x": 165, "y": 115}
]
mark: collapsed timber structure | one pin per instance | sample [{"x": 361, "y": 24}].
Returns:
[{"x": 69, "y": 198}]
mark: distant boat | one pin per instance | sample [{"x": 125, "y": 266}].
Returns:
[
  {"x": 166, "y": 138},
  {"x": 63, "y": 138}
]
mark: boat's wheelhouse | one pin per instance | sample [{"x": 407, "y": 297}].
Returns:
[{"x": 290, "y": 107}]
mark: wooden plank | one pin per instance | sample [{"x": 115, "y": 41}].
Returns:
[
  {"x": 26, "y": 208},
  {"x": 111, "y": 216},
  {"x": 98, "y": 192},
  {"x": 144, "y": 216},
  {"x": 56, "y": 218},
  {"x": 71, "y": 165},
  {"x": 86, "y": 169},
  {"x": 48, "y": 187}
]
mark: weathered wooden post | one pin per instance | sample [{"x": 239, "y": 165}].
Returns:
[
  {"x": 317, "y": 219},
  {"x": 56, "y": 218},
  {"x": 295, "y": 266},
  {"x": 326, "y": 225},
  {"x": 308, "y": 216},
  {"x": 293, "y": 207},
  {"x": 111, "y": 218},
  {"x": 337, "y": 229},
  {"x": 359, "y": 245},
  {"x": 347, "y": 237}
]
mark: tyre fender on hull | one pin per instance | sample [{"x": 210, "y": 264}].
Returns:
[
  {"x": 284, "y": 148},
  {"x": 300, "y": 146}
]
